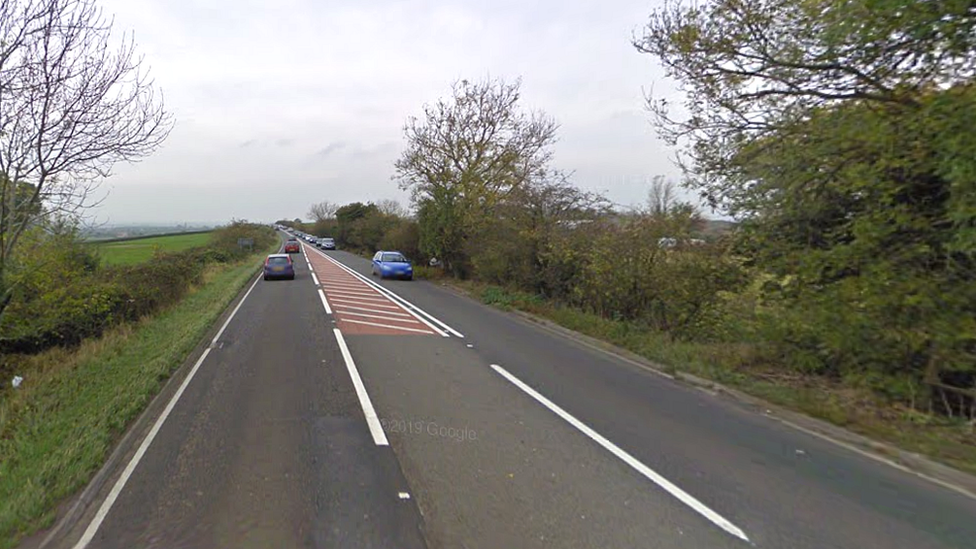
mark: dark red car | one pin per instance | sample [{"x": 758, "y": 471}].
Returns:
[{"x": 292, "y": 246}]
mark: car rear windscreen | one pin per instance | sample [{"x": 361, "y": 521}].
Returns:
[{"x": 278, "y": 261}]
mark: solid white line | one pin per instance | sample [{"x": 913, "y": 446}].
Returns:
[
  {"x": 347, "y": 300},
  {"x": 325, "y": 303},
  {"x": 409, "y": 307},
  {"x": 234, "y": 312},
  {"x": 372, "y": 420},
  {"x": 315, "y": 279},
  {"x": 106, "y": 506},
  {"x": 383, "y": 317},
  {"x": 406, "y": 305},
  {"x": 388, "y": 326},
  {"x": 654, "y": 477},
  {"x": 371, "y": 310}
]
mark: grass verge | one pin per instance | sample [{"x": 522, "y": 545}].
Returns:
[
  {"x": 951, "y": 442},
  {"x": 58, "y": 428},
  {"x": 138, "y": 250}
]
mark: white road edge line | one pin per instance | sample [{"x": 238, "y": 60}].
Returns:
[
  {"x": 372, "y": 420},
  {"x": 325, "y": 303},
  {"x": 234, "y": 312},
  {"x": 371, "y": 310},
  {"x": 315, "y": 279},
  {"x": 387, "y": 326},
  {"x": 651, "y": 475},
  {"x": 106, "y": 506},
  {"x": 406, "y": 305}
]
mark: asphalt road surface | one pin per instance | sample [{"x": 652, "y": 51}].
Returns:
[{"x": 338, "y": 410}]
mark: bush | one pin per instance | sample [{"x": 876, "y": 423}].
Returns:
[
  {"x": 150, "y": 286},
  {"x": 404, "y": 237},
  {"x": 64, "y": 297},
  {"x": 501, "y": 254},
  {"x": 627, "y": 275},
  {"x": 225, "y": 238}
]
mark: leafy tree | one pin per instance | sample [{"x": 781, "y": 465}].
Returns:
[
  {"x": 467, "y": 154},
  {"x": 362, "y": 226},
  {"x": 751, "y": 69},
  {"x": 842, "y": 134},
  {"x": 517, "y": 247},
  {"x": 325, "y": 227}
]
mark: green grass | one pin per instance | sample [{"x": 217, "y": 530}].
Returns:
[
  {"x": 138, "y": 250},
  {"x": 952, "y": 442},
  {"x": 59, "y": 427}
]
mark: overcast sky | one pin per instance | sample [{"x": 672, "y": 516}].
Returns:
[{"x": 282, "y": 103}]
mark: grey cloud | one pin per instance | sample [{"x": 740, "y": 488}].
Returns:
[
  {"x": 330, "y": 148},
  {"x": 383, "y": 149},
  {"x": 269, "y": 94}
]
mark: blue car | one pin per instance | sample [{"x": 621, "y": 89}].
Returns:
[
  {"x": 392, "y": 265},
  {"x": 279, "y": 266}
]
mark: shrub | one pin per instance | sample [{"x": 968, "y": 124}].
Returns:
[
  {"x": 64, "y": 298},
  {"x": 225, "y": 238},
  {"x": 627, "y": 275},
  {"x": 404, "y": 236}
]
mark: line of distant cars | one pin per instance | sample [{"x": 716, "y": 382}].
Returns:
[
  {"x": 386, "y": 264},
  {"x": 325, "y": 243}
]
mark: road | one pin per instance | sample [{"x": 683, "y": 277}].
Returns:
[{"x": 337, "y": 410}]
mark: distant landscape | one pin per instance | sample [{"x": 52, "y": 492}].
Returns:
[
  {"x": 111, "y": 232},
  {"x": 133, "y": 250}
]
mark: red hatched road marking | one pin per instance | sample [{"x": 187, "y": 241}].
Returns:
[{"x": 359, "y": 309}]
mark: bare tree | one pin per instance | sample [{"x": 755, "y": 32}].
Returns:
[
  {"x": 323, "y": 211},
  {"x": 389, "y": 206},
  {"x": 663, "y": 201},
  {"x": 661, "y": 197},
  {"x": 73, "y": 102}
]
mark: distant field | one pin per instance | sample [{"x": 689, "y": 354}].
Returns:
[{"x": 129, "y": 252}]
